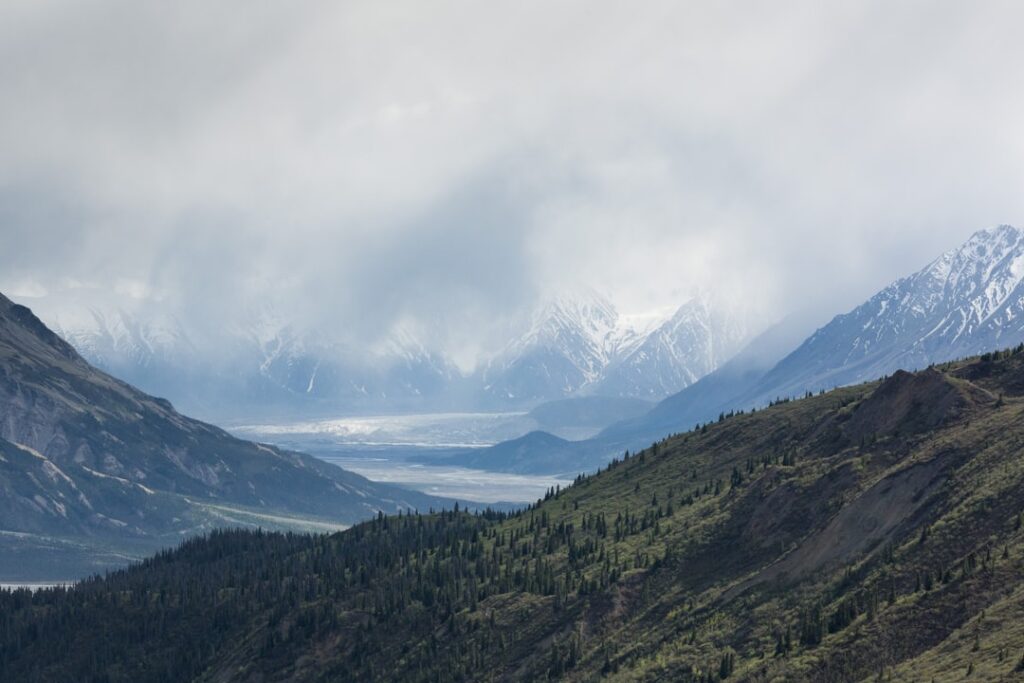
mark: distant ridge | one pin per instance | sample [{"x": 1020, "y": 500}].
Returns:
[
  {"x": 576, "y": 344},
  {"x": 967, "y": 301}
]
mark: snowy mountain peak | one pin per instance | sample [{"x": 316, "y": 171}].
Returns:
[
  {"x": 967, "y": 301},
  {"x": 567, "y": 346},
  {"x": 576, "y": 342},
  {"x": 1001, "y": 232},
  {"x": 696, "y": 339},
  {"x": 578, "y": 312},
  {"x": 580, "y": 343},
  {"x": 986, "y": 248},
  {"x": 968, "y": 284},
  {"x": 114, "y": 330}
]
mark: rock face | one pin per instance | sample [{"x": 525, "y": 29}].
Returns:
[{"x": 85, "y": 456}]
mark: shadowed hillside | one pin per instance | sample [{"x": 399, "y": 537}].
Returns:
[
  {"x": 94, "y": 472},
  {"x": 875, "y": 530}
]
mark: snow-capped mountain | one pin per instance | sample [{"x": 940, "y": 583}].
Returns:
[
  {"x": 696, "y": 340},
  {"x": 319, "y": 365},
  {"x": 143, "y": 343},
  {"x": 264, "y": 362},
  {"x": 967, "y": 301},
  {"x": 260, "y": 362},
  {"x": 110, "y": 329},
  {"x": 567, "y": 346},
  {"x": 579, "y": 344}
]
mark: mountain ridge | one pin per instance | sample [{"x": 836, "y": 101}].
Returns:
[
  {"x": 906, "y": 325},
  {"x": 968, "y": 300},
  {"x": 575, "y": 344},
  {"x": 109, "y": 463},
  {"x": 581, "y": 345}
]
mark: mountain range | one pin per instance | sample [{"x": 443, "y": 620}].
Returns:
[
  {"x": 580, "y": 345},
  {"x": 82, "y": 423},
  {"x": 266, "y": 365},
  {"x": 94, "y": 472},
  {"x": 870, "y": 531},
  {"x": 967, "y": 301},
  {"x": 576, "y": 344}
]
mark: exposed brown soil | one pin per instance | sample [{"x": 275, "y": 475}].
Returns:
[
  {"x": 860, "y": 527},
  {"x": 908, "y": 403}
]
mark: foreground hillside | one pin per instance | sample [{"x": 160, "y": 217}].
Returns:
[
  {"x": 873, "y": 531},
  {"x": 94, "y": 472}
]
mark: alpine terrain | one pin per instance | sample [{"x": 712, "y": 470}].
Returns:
[
  {"x": 267, "y": 365},
  {"x": 580, "y": 344},
  {"x": 93, "y": 472},
  {"x": 968, "y": 300}
]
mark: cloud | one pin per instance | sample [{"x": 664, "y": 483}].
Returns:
[{"x": 371, "y": 165}]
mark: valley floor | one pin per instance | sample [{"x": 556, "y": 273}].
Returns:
[{"x": 403, "y": 450}]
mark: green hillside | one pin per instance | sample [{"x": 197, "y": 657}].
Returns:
[{"x": 870, "y": 532}]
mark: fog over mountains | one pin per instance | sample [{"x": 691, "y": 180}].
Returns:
[
  {"x": 574, "y": 344},
  {"x": 526, "y": 341},
  {"x": 580, "y": 344},
  {"x": 94, "y": 472},
  {"x": 967, "y": 301}
]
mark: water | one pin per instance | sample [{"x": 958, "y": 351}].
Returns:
[
  {"x": 447, "y": 481},
  {"x": 381, "y": 448},
  {"x": 433, "y": 430}
]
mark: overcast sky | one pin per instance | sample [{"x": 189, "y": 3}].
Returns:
[{"x": 444, "y": 163}]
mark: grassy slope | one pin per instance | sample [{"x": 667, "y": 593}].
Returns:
[{"x": 900, "y": 498}]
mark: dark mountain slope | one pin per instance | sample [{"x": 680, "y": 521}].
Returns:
[
  {"x": 86, "y": 456},
  {"x": 875, "y": 530}
]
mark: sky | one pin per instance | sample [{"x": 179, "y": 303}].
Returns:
[{"x": 444, "y": 165}]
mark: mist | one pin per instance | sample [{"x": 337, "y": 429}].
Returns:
[{"x": 367, "y": 167}]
